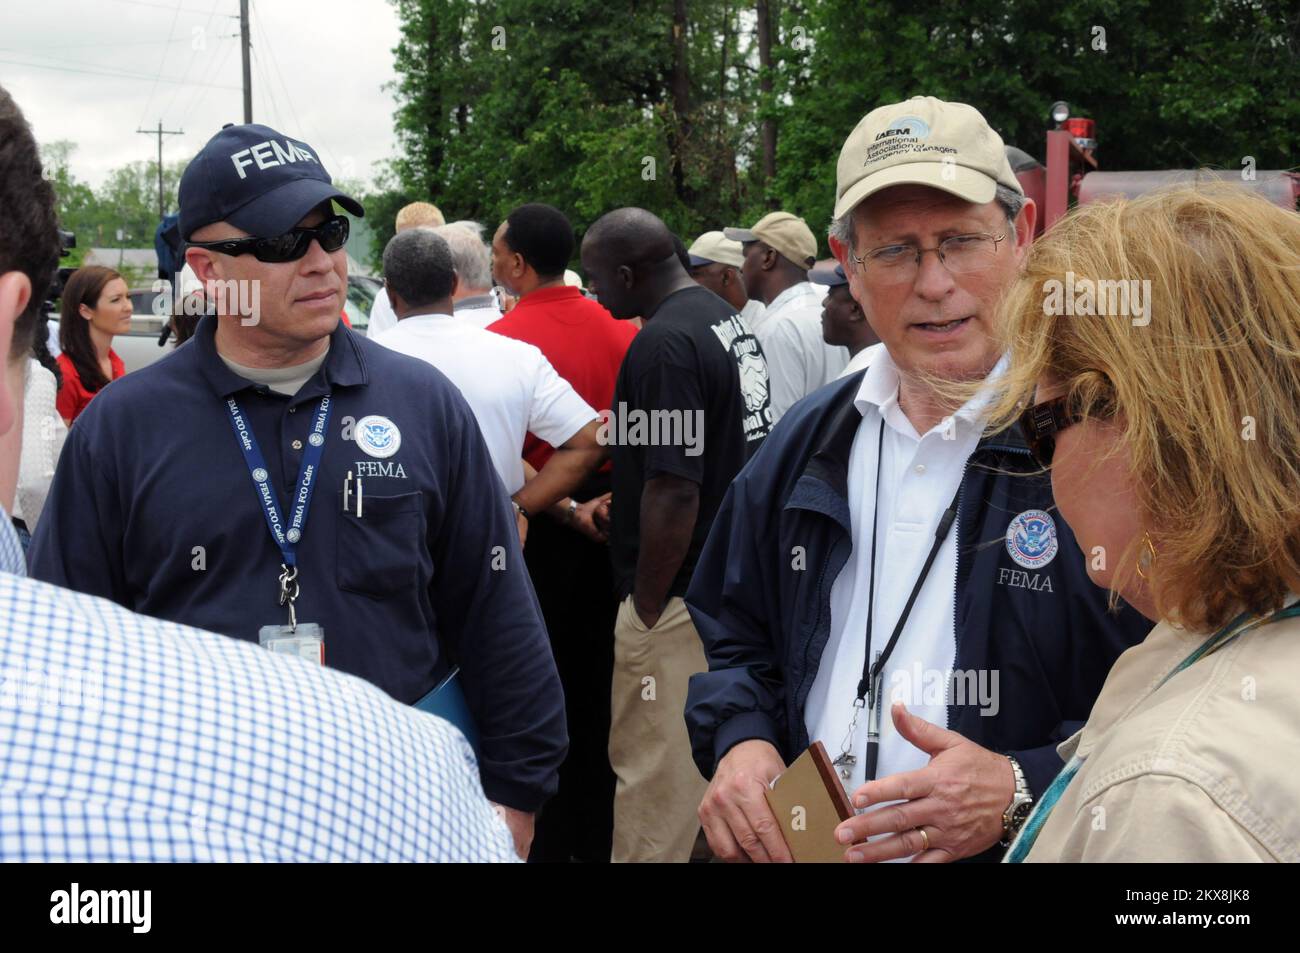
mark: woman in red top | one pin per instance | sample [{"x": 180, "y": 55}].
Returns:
[{"x": 95, "y": 308}]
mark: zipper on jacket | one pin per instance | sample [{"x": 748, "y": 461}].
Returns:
[{"x": 956, "y": 596}]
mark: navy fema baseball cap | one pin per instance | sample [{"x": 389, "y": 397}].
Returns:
[{"x": 258, "y": 180}]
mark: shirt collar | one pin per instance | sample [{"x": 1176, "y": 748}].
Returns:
[
  {"x": 790, "y": 294},
  {"x": 550, "y": 295},
  {"x": 345, "y": 366},
  {"x": 475, "y": 301},
  {"x": 879, "y": 390}
]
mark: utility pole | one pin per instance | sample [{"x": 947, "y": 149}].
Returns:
[
  {"x": 248, "y": 62},
  {"x": 160, "y": 132}
]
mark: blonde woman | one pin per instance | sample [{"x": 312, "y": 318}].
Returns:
[{"x": 1172, "y": 431}]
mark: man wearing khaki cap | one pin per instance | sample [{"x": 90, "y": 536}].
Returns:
[
  {"x": 715, "y": 263},
  {"x": 883, "y": 579},
  {"x": 779, "y": 250}
]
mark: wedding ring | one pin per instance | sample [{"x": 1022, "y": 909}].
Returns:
[{"x": 925, "y": 839}]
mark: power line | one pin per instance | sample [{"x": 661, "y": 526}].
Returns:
[
  {"x": 118, "y": 75},
  {"x": 201, "y": 92},
  {"x": 275, "y": 63},
  {"x": 190, "y": 60},
  {"x": 96, "y": 43},
  {"x": 170, "y": 33},
  {"x": 161, "y": 6}
]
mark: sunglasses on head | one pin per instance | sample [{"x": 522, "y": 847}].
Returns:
[
  {"x": 292, "y": 245},
  {"x": 1041, "y": 423}
]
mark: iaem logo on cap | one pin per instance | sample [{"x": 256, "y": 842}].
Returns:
[{"x": 912, "y": 126}]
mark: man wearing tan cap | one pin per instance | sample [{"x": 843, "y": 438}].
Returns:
[
  {"x": 882, "y": 578},
  {"x": 414, "y": 215},
  {"x": 779, "y": 250},
  {"x": 715, "y": 263}
]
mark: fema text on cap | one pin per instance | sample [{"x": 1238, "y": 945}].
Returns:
[{"x": 269, "y": 154}]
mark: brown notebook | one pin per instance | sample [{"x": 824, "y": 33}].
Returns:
[{"x": 809, "y": 803}]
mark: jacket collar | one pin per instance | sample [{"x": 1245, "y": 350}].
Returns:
[
  {"x": 344, "y": 367},
  {"x": 823, "y": 484}
]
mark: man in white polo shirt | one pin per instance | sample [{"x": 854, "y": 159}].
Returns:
[
  {"x": 509, "y": 385},
  {"x": 779, "y": 250},
  {"x": 715, "y": 262}
]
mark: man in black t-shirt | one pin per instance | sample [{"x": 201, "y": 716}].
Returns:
[{"x": 690, "y": 406}]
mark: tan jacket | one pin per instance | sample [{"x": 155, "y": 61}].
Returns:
[{"x": 1207, "y": 768}]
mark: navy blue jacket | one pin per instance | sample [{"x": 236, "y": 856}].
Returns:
[
  {"x": 153, "y": 507},
  {"x": 765, "y": 623}
]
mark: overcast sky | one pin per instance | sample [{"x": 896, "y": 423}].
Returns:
[{"x": 318, "y": 71}]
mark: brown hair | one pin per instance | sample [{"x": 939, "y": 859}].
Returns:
[
  {"x": 84, "y": 286},
  {"x": 29, "y": 237},
  {"x": 1207, "y": 394}
]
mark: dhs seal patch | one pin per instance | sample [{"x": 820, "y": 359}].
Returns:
[
  {"x": 378, "y": 436},
  {"x": 316, "y": 439},
  {"x": 260, "y": 475},
  {"x": 1031, "y": 539}
]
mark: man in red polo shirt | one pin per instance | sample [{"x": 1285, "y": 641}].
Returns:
[{"x": 567, "y": 557}]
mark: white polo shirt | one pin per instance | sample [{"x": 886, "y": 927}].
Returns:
[
  {"x": 509, "y": 385},
  {"x": 755, "y": 314},
  {"x": 919, "y": 475},
  {"x": 382, "y": 316},
  {"x": 798, "y": 360}
]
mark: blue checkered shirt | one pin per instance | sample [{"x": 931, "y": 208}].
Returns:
[{"x": 125, "y": 738}]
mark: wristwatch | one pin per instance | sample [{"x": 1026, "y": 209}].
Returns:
[
  {"x": 519, "y": 510},
  {"x": 1022, "y": 802},
  {"x": 571, "y": 510}
]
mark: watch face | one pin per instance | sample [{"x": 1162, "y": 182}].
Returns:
[{"x": 1021, "y": 812}]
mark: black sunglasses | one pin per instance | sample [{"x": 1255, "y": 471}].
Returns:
[
  {"x": 292, "y": 245},
  {"x": 1041, "y": 423}
]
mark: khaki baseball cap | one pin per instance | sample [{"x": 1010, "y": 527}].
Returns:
[
  {"x": 788, "y": 234},
  {"x": 923, "y": 141},
  {"x": 715, "y": 247}
]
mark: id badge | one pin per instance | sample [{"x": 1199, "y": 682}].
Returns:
[{"x": 307, "y": 641}]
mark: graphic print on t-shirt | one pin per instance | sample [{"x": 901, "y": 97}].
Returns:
[{"x": 741, "y": 344}]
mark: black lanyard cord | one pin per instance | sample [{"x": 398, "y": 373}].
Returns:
[{"x": 871, "y": 672}]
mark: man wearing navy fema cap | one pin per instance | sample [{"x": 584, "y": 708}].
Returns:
[{"x": 284, "y": 480}]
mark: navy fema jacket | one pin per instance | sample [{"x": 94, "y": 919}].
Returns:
[
  {"x": 152, "y": 506},
  {"x": 765, "y": 624}
]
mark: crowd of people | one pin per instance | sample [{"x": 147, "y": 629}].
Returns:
[{"x": 583, "y": 543}]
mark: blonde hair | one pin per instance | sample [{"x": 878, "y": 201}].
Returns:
[
  {"x": 418, "y": 214},
  {"x": 1206, "y": 396}
]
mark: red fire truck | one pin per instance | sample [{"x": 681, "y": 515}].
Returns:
[{"x": 1070, "y": 174}]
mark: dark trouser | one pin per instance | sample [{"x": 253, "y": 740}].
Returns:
[{"x": 575, "y": 587}]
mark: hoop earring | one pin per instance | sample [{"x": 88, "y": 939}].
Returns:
[{"x": 1146, "y": 556}]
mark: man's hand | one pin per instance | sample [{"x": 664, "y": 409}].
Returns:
[
  {"x": 522, "y": 523},
  {"x": 584, "y": 519},
  {"x": 734, "y": 813},
  {"x": 521, "y": 827},
  {"x": 958, "y": 798},
  {"x": 600, "y": 514}
]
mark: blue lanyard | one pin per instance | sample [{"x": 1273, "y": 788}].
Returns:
[
  {"x": 285, "y": 538},
  {"x": 1042, "y": 810}
]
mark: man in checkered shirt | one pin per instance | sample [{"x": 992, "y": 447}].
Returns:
[{"x": 125, "y": 738}]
